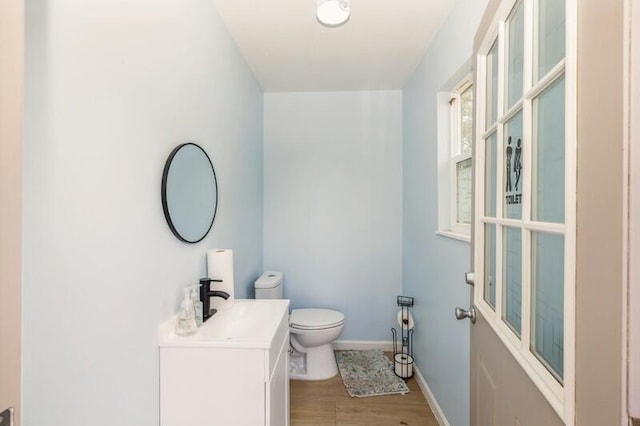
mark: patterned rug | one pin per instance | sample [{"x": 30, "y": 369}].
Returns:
[{"x": 369, "y": 373}]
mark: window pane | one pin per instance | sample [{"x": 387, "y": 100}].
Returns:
[
  {"x": 490, "y": 264},
  {"x": 551, "y": 35},
  {"x": 515, "y": 64},
  {"x": 492, "y": 85},
  {"x": 490, "y": 161},
  {"x": 463, "y": 191},
  {"x": 513, "y": 167},
  {"x": 512, "y": 276},
  {"x": 548, "y": 190},
  {"x": 466, "y": 121},
  {"x": 547, "y": 280}
]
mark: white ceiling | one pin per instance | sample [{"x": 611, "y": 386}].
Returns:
[{"x": 289, "y": 51}]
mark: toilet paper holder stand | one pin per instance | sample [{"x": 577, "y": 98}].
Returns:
[{"x": 403, "y": 340}]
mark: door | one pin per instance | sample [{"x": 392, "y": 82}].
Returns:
[
  {"x": 11, "y": 93},
  {"x": 522, "y": 361},
  {"x": 633, "y": 86}
]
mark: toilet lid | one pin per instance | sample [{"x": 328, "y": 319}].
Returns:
[{"x": 314, "y": 319}]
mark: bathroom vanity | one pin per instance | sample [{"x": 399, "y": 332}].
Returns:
[{"x": 233, "y": 371}]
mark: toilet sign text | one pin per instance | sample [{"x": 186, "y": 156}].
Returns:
[{"x": 513, "y": 172}]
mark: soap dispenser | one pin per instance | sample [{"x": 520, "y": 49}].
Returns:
[
  {"x": 197, "y": 303},
  {"x": 186, "y": 323}
]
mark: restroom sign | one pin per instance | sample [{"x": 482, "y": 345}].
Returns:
[{"x": 513, "y": 172}]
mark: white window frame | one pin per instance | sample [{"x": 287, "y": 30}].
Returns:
[
  {"x": 456, "y": 155},
  {"x": 448, "y": 148},
  {"x": 560, "y": 396}
]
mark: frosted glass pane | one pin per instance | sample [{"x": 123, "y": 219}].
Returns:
[
  {"x": 466, "y": 121},
  {"x": 490, "y": 265},
  {"x": 512, "y": 274},
  {"x": 463, "y": 191},
  {"x": 492, "y": 85},
  {"x": 491, "y": 159},
  {"x": 513, "y": 167},
  {"x": 515, "y": 55},
  {"x": 551, "y": 35},
  {"x": 548, "y": 190},
  {"x": 547, "y": 321}
]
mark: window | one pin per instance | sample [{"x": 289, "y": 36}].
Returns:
[
  {"x": 461, "y": 116},
  {"x": 454, "y": 151},
  {"x": 525, "y": 227}
]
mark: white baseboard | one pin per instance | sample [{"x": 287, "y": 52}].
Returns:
[
  {"x": 431, "y": 399},
  {"x": 362, "y": 345}
]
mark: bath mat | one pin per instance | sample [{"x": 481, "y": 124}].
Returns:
[{"x": 368, "y": 373}]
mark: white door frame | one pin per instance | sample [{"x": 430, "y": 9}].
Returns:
[
  {"x": 11, "y": 124},
  {"x": 632, "y": 216}
]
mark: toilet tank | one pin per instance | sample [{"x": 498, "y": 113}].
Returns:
[{"x": 269, "y": 285}]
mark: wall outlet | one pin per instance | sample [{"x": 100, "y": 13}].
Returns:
[{"x": 6, "y": 417}]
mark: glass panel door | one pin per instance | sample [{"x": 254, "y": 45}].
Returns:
[
  {"x": 522, "y": 213},
  {"x": 513, "y": 168},
  {"x": 548, "y": 192},
  {"x": 515, "y": 56},
  {"x": 492, "y": 85},
  {"x": 550, "y": 35},
  {"x": 490, "y": 161},
  {"x": 547, "y": 280},
  {"x": 512, "y": 277},
  {"x": 490, "y": 265}
]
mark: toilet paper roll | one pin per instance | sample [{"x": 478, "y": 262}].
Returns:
[
  {"x": 220, "y": 267},
  {"x": 403, "y": 366},
  {"x": 405, "y": 319}
]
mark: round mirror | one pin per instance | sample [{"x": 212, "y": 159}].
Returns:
[{"x": 189, "y": 192}]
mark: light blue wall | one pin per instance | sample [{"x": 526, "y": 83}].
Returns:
[
  {"x": 433, "y": 265},
  {"x": 333, "y": 203},
  {"x": 111, "y": 88}
]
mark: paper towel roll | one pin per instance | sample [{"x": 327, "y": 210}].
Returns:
[
  {"x": 403, "y": 365},
  {"x": 220, "y": 267},
  {"x": 405, "y": 319}
]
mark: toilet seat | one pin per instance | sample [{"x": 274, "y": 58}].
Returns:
[{"x": 315, "y": 319}]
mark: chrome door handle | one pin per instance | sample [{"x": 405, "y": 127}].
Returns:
[
  {"x": 462, "y": 314},
  {"x": 470, "y": 278}
]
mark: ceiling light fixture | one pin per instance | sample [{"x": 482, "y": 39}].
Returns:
[{"x": 333, "y": 13}]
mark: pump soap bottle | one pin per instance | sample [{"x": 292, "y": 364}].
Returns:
[
  {"x": 186, "y": 323},
  {"x": 197, "y": 304}
]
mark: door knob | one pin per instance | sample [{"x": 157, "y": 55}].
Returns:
[{"x": 462, "y": 314}]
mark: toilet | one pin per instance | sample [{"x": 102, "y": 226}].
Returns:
[{"x": 312, "y": 332}]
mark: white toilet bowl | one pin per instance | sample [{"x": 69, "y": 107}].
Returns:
[{"x": 312, "y": 334}]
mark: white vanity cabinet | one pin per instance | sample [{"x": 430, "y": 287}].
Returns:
[{"x": 231, "y": 375}]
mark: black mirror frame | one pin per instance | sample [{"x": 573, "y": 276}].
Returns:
[{"x": 165, "y": 206}]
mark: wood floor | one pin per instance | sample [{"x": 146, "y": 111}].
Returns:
[{"x": 326, "y": 402}]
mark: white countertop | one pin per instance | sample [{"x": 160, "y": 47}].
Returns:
[{"x": 248, "y": 323}]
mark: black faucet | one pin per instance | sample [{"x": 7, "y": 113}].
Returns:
[{"x": 206, "y": 293}]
